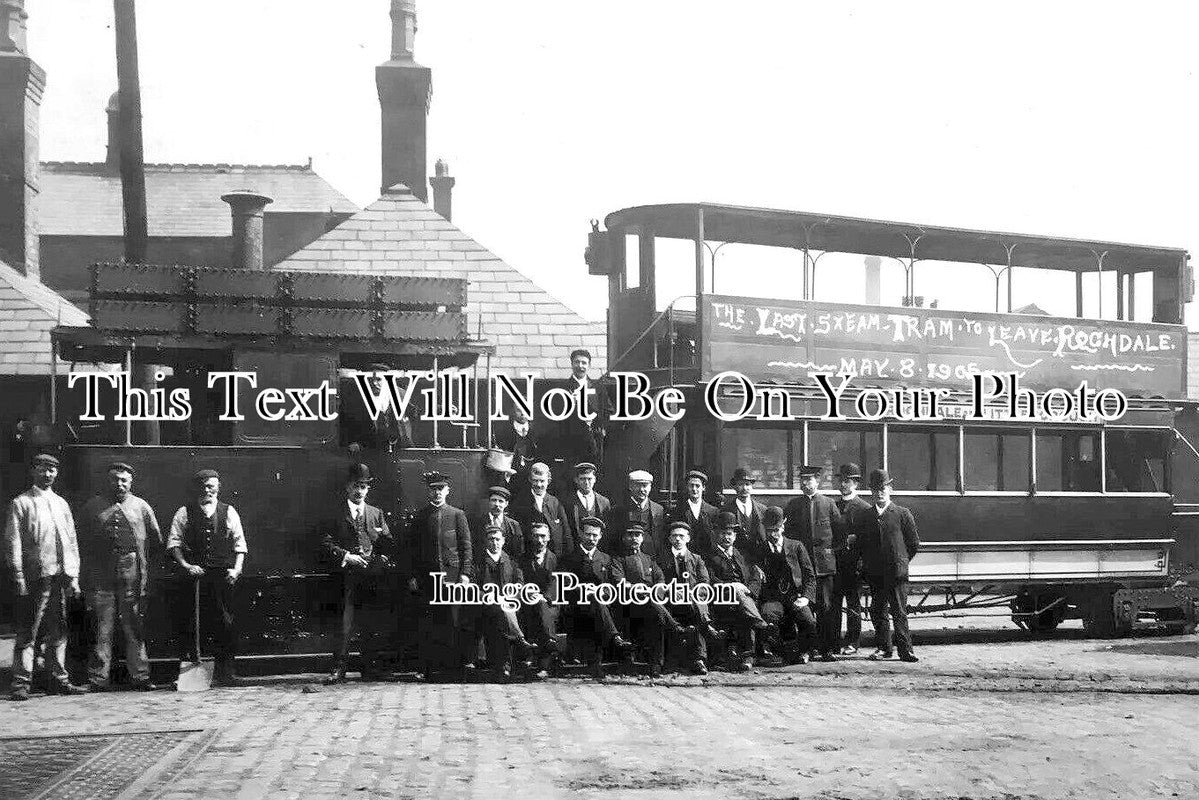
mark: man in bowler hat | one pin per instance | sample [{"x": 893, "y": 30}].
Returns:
[
  {"x": 889, "y": 541},
  {"x": 847, "y": 587},
  {"x": 751, "y": 538},
  {"x": 359, "y": 546},
  {"x": 789, "y": 587}
]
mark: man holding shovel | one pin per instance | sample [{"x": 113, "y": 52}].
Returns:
[{"x": 208, "y": 545}]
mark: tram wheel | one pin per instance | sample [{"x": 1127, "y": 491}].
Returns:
[
  {"x": 1024, "y": 607},
  {"x": 1101, "y": 619}
]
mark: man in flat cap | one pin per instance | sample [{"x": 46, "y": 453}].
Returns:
[
  {"x": 358, "y": 545},
  {"x": 118, "y": 528},
  {"x": 751, "y": 537},
  {"x": 589, "y": 564},
  {"x": 728, "y": 564},
  {"x": 208, "y": 546},
  {"x": 499, "y": 627},
  {"x": 889, "y": 541},
  {"x": 686, "y": 568},
  {"x": 496, "y": 515},
  {"x": 847, "y": 587},
  {"x": 638, "y": 509},
  {"x": 811, "y": 519},
  {"x": 648, "y": 622},
  {"x": 789, "y": 586},
  {"x": 536, "y": 504},
  {"x": 439, "y": 541},
  {"x": 584, "y": 501},
  {"x": 583, "y": 439},
  {"x": 697, "y": 513},
  {"x": 540, "y": 621},
  {"x": 43, "y": 555}
]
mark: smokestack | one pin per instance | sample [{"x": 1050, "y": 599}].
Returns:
[
  {"x": 22, "y": 83},
  {"x": 405, "y": 89},
  {"x": 133, "y": 168},
  {"x": 113, "y": 110},
  {"x": 874, "y": 291},
  {"x": 443, "y": 185},
  {"x": 247, "y": 208}
]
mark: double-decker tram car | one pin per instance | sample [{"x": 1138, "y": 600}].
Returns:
[
  {"x": 1057, "y": 511},
  {"x": 282, "y": 467}
]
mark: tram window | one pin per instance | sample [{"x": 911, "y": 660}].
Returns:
[
  {"x": 996, "y": 461},
  {"x": 1136, "y": 460},
  {"x": 766, "y": 452},
  {"x": 923, "y": 459},
  {"x": 830, "y": 446},
  {"x": 1067, "y": 461}
]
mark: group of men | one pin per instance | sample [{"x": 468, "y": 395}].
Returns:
[
  {"x": 105, "y": 559},
  {"x": 790, "y": 570}
]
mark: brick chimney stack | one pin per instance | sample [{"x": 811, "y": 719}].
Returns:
[
  {"x": 22, "y": 83},
  {"x": 443, "y": 185},
  {"x": 405, "y": 89},
  {"x": 247, "y": 208}
]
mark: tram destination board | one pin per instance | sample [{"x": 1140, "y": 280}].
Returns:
[{"x": 788, "y": 341}]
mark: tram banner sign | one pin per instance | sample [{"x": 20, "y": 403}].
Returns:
[{"x": 789, "y": 341}]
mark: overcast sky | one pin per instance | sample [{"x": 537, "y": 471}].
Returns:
[{"x": 1071, "y": 119}]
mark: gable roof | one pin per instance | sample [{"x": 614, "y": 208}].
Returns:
[
  {"x": 29, "y": 310},
  {"x": 84, "y": 199},
  {"x": 399, "y": 235}
]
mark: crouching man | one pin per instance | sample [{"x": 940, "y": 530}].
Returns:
[
  {"x": 209, "y": 546},
  {"x": 729, "y": 565},
  {"x": 588, "y": 564}
]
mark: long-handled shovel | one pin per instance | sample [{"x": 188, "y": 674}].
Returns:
[{"x": 195, "y": 676}]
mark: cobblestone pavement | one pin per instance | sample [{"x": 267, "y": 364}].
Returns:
[{"x": 997, "y": 720}]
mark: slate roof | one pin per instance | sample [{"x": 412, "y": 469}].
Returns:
[
  {"x": 84, "y": 199},
  {"x": 28, "y": 311},
  {"x": 399, "y": 235}
]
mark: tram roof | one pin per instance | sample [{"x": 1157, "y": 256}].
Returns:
[{"x": 829, "y": 232}]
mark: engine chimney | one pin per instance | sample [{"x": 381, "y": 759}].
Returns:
[
  {"x": 247, "y": 208},
  {"x": 443, "y": 185},
  {"x": 113, "y": 110}
]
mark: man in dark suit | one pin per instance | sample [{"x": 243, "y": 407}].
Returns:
[
  {"x": 540, "y": 621},
  {"x": 639, "y": 509},
  {"x": 518, "y": 438},
  {"x": 582, "y": 439},
  {"x": 358, "y": 545},
  {"x": 591, "y": 565},
  {"x": 439, "y": 541},
  {"x": 889, "y": 541},
  {"x": 811, "y": 519},
  {"x": 383, "y": 433},
  {"x": 496, "y": 514},
  {"x": 789, "y": 585},
  {"x": 847, "y": 587},
  {"x": 684, "y": 567},
  {"x": 497, "y": 625},
  {"x": 751, "y": 538},
  {"x": 697, "y": 513},
  {"x": 584, "y": 501},
  {"x": 727, "y": 564},
  {"x": 538, "y": 505},
  {"x": 649, "y": 622}
]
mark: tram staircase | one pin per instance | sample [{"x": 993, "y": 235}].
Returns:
[{"x": 666, "y": 353}]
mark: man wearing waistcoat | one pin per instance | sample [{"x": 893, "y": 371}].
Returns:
[
  {"x": 638, "y": 509},
  {"x": 536, "y": 504},
  {"x": 789, "y": 586},
  {"x": 499, "y": 627},
  {"x": 43, "y": 558},
  {"x": 538, "y": 565},
  {"x": 358, "y": 545},
  {"x": 589, "y": 564},
  {"x": 728, "y": 564},
  {"x": 681, "y": 565},
  {"x": 847, "y": 588},
  {"x": 496, "y": 516},
  {"x": 584, "y": 501},
  {"x": 889, "y": 542},
  {"x": 439, "y": 541},
  {"x": 751, "y": 538},
  {"x": 699, "y": 514},
  {"x": 208, "y": 545},
  {"x": 811, "y": 519},
  {"x": 117, "y": 528}
]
